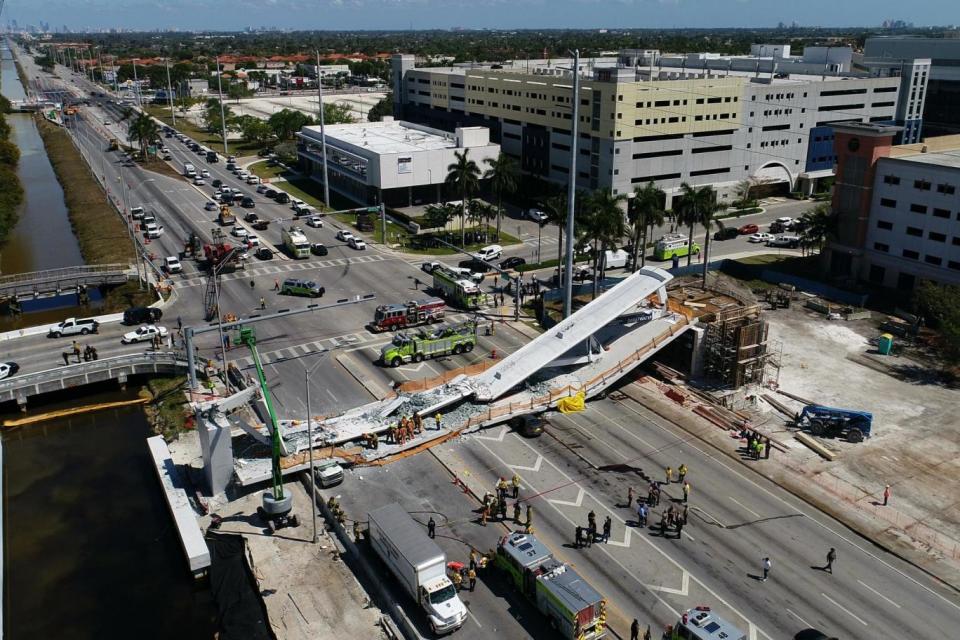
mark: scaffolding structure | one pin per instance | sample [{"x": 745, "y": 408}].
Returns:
[{"x": 735, "y": 346}]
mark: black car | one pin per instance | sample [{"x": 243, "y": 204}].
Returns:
[
  {"x": 226, "y": 198},
  {"x": 270, "y": 193},
  {"x": 142, "y": 315},
  {"x": 726, "y": 233},
  {"x": 247, "y": 202},
  {"x": 216, "y": 184},
  {"x": 812, "y": 634},
  {"x": 512, "y": 263},
  {"x": 477, "y": 266},
  {"x": 282, "y": 198},
  {"x": 264, "y": 254},
  {"x": 529, "y": 425},
  {"x": 318, "y": 249}
]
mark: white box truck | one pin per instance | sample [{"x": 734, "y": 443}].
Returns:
[
  {"x": 419, "y": 564},
  {"x": 189, "y": 170}
]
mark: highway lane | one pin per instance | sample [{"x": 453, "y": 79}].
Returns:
[{"x": 736, "y": 518}]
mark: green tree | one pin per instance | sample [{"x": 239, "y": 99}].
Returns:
[
  {"x": 238, "y": 90},
  {"x": 693, "y": 201},
  {"x": 646, "y": 212},
  {"x": 607, "y": 226},
  {"x": 213, "y": 120},
  {"x": 382, "y": 108},
  {"x": 436, "y": 216},
  {"x": 286, "y": 123},
  {"x": 815, "y": 225},
  {"x": 142, "y": 129},
  {"x": 463, "y": 177},
  {"x": 503, "y": 175},
  {"x": 336, "y": 113},
  {"x": 555, "y": 207},
  {"x": 254, "y": 130},
  {"x": 706, "y": 220},
  {"x": 939, "y": 305}
]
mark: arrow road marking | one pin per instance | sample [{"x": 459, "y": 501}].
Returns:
[
  {"x": 682, "y": 591},
  {"x": 535, "y": 468},
  {"x": 497, "y": 438},
  {"x": 575, "y": 503}
]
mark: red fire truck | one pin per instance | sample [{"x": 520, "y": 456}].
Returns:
[{"x": 407, "y": 314}]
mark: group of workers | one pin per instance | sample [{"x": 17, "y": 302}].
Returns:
[
  {"x": 587, "y": 536},
  {"x": 402, "y": 431},
  {"x": 495, "y": 505},
  {"x": 758, "y": 446}
]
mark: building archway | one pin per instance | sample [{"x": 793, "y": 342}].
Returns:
[{"x": 772, "y": 178}]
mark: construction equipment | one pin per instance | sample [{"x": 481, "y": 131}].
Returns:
[
  {"x": 114, "y": 144},
  {"x": 275, "y": 506},
  {"x": 821, "y": 421},
  {"x": 573, "y": 608},
  {"x": 460, "y": 338},
  {"x": 226, "y": 217},
  {"x": 456, "y": 289},
  {"x": 218, "y": 258},
  {"x": 407, "y": 314}
]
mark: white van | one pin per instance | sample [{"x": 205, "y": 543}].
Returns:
[
  {"x": 491, "y": 252},
  {"x": 615, "y": 259},
  {"x": 152, "y": 230}
]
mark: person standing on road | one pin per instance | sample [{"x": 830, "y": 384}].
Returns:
[
  {"x": 516, "y": 486},
  {"x": 635, "y": 630},
  {"x": 886, "y": 495},
  {"x": 669, "y": 473},
  {"x": 682, "y": 471},
  {"x": 578, "y": 539},
  {"x": 179, "y": 324},
  {"x": 66, "y": 358},
  {"x": 438, "y": 417},
  {"x": 686, "y": 492},
  {"x": 516, "y": 512},
  {"x": 679, "y": 529},
  {"x": 646, "y": 634},
  {"x": 472, "y": 577},
  {"x": 831, "y": 558},
  {"x": 431, "y": 527},
  {"x": 629, "y": 497},
  {"x": 766, "y": 569},
  {"x": 607, "y": 526},
  {"x": 276, "y": 285},
  {"x": 263, "y": 302}
]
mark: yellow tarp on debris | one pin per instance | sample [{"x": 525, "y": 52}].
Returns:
[{"x": 572, "y": 404}]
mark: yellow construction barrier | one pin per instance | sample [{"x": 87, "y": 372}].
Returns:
[
  {"x": 73, "y": 411},
  {"x": 573, "y": 404}
]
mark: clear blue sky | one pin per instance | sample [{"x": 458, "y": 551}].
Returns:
[{"x": 504, "y": 14}]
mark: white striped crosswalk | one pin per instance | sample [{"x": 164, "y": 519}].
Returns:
[{"x": 285, "y": 268}]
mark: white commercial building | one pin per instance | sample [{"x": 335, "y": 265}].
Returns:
[{"x": 397, "y": 163}]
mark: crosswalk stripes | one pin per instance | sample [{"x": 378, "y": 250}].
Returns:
[{"x": 285, "y": 268}]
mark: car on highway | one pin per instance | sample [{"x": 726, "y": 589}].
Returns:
[
  {"x": 239, "y": 232},
  {"x": 357, "y": 243},
  {"x": 812, "y": 634},
  {"x": 297, "y": 287},
  {"x": 529, "y": 425},
  {"x": 315, "y": 222},
  {"x": 262, "y": 188},
  {"x": 171, "y": 264},
  {"x": 231, "y": 166},
  {"x": 199, "y": 181},
  {"x": 263, "y": 253},
  {"x": 786, "y": 241},
  {"x": 537, "y": 216},
  {"x": 152, "y": 230},
  {"x": 247, "y": 202},
  {"x": 140, "y": 315},
  {"x": 144, "y": 333},
  {"x": 136, "y": 212},
  {"x": 232, "y": 159},
  {"x": 211, "y": 205},
  {"x": 8, "y": 369},
  {"x": 270, "y": 193},
  {"x": 785, "y": 222},
  {"x": 167, "y": 155},
  {"x": 253, "y": 241},
  {"x": 429, "y": 266},
  {"x": 282, "y": 197},
  {"x": 243, "y": 174},
  {"x": 344, "y": 235},
  {"x": 512, "y": 262},
  {"x": 748, "y": 229},
  {"x": 760, "y": 237},
  {"x": 318, "y": 249},
  {"x": 253, "y": 180},
  {"x": 726, "y": 233},
  {"x": 204, "y": 173},
  {"x": 217, "y": 183}
]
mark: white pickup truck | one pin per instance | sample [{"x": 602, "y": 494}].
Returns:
[{"x": 74, "y": 326}]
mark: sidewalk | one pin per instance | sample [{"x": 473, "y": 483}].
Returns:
[{"x": 895, "y": 531}]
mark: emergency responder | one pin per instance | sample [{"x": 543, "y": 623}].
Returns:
[
  {"x": 501, "y": 488},
  {"x": 529, "y": 522},
  {"x": 516, "y": 486},
  {"x": 356, "y": 531},
  {"x": 457, "y": 580},
  {"x": 516, "y": 512},
  {"x": 484, "y": 514},
  {"x": 668, "y": 472},
  {"x": 578, "y": 537},
  {"x": 376, "y": 441},
  {"x": 629, "y": 497},
  {"x": 418, "y": 422},
  {"x": 635, "y": 630},
  {"x": 686, "y": 492},
  {"x": 438, "y": 417},
  {"x": 503, "y": 509},
  {"x": 431, "y": 527},
  {"x": 682, "y": 472},
  {"x": 607, "y": 526},
  {"x": 472, "y": 577},
  {"x": 473, "y": 559}
]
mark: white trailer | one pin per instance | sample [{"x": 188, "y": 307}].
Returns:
[{"x": 419, "y": 565}]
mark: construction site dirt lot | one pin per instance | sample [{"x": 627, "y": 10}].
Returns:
[{"x": 915, "y": 444}]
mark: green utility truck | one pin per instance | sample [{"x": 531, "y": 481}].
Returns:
[
  {"x": 415, "y": 347},
  {"x": 456, "y": 289}
]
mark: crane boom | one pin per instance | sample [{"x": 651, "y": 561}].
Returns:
[{"x": 249, "y": 338}]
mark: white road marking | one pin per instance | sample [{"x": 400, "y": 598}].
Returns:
[
  {"x": 846, "y": 611},
  {"x": 535, "y": 468},
  {"x": 689, "y": 536},
  {"x": 802, "y": 621},
  {"x": 745, "y": 507},
  {"x": 330, "y": 393},
  {"x": 565, "y": 503},
  {"x": 794, "y": 509},
  {"x": 497, "y": 438},
  {"x": 474, "y": 618},
  {"x": 684, "y": 589},
  {"x": 879, "y": 594}
]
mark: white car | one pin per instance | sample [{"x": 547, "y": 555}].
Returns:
[
  {"x": 760, "y": 237},
  {"x": 204, "y": 173},
  {"x": 785, "y": 221},
  {"x": 344, "y": 236},
  {"x": 315, "y": 221},
  {"x": 144, "y": 333},
  {"x": 537, "y": 216},
  {"x": 232, "y": 159},
  {"x": 8, "y": 369},
  {"x": 211, "y": 205},
  {"x": 253, "y": 241},
  {"x": 429, "y": 266},
  {"x": 171, "y": 264},
  {"x": 199, "y": 181},
  {"x": 357, "y": 243},
  {"x": 253, "y": 180},
  {"x": 243, "y": 174},
  {"x": 239, "y": 232}
]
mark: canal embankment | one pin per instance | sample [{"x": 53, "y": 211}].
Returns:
[{"x": 11, "y": 195}]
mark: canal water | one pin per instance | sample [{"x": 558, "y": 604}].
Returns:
[{"x": 90, "y": 550}]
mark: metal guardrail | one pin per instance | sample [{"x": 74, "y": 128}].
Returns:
[
  {"x": 65, "y": 278},
  {"x": 74, "y": 375}
]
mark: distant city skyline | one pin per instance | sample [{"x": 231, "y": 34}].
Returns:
[{"x": 227, "y": 15}]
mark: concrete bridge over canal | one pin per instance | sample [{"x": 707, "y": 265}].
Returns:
[
  {"x": 55, "y": 282},
  {"x": 119, "y": 368}
]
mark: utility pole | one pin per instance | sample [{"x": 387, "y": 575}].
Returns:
[
  {"x": 323, "y": 137},
  {"x": 173, "y": 115},
  {"x": 223, "y": 118},
  {"x": 572, "y": 187},
  {"x": 103, "y": 78},
  {"x": 136, "y": 83}
]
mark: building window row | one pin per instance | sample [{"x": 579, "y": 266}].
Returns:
[
  {"x": 842, "y": 92},
  {"x": 891, "y": 179},
  {"x": 947, "y": 189},
  {"x": 658, "y": 154},
  {"x": 842, "y": 107}
]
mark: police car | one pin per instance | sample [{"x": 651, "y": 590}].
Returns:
[{"x": 701, "y": 623}]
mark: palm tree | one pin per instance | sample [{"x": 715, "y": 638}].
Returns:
[
  {"x": 706, "y": 219},
  {"x": 463, "y": 175},
  {"x": 815, "y": 225},
  {"x": 607, "y": 225},
  {"x": 693, "y": 201},
  {"x": 142, "y": 130},
  {"x": 646, "y": 212},
  {"x": 555, "y": 207},
  {"x": 503, "y": 176}
]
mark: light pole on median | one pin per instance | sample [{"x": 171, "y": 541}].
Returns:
[
  {"x": 572, "y": 187},
  {"x": 223, "y": 118},
  {"x": 313, "y": 478},
  {"x": 323, "y": 138}
]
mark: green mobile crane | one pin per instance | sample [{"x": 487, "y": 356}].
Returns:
[{"x": 276, "y": 506}]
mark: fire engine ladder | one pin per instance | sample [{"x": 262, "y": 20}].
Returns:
[{"x": 210, "y": 302}]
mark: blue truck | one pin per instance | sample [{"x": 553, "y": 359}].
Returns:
[{"x": 828, "y": 421}]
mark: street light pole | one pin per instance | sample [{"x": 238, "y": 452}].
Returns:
[
  {"x": 572, "y": 187},
  {"x": 173, "y": 115},
  {"x": 136, "y": 83},
  {"x": 323, "y": 136},
  {"x": 313, "y": 477},
  {"x": 223, "y": 118}
]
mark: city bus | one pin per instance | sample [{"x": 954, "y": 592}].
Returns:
[
  {"x": 673, "y": 245},
  {"x": 701, "y": 623}
]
